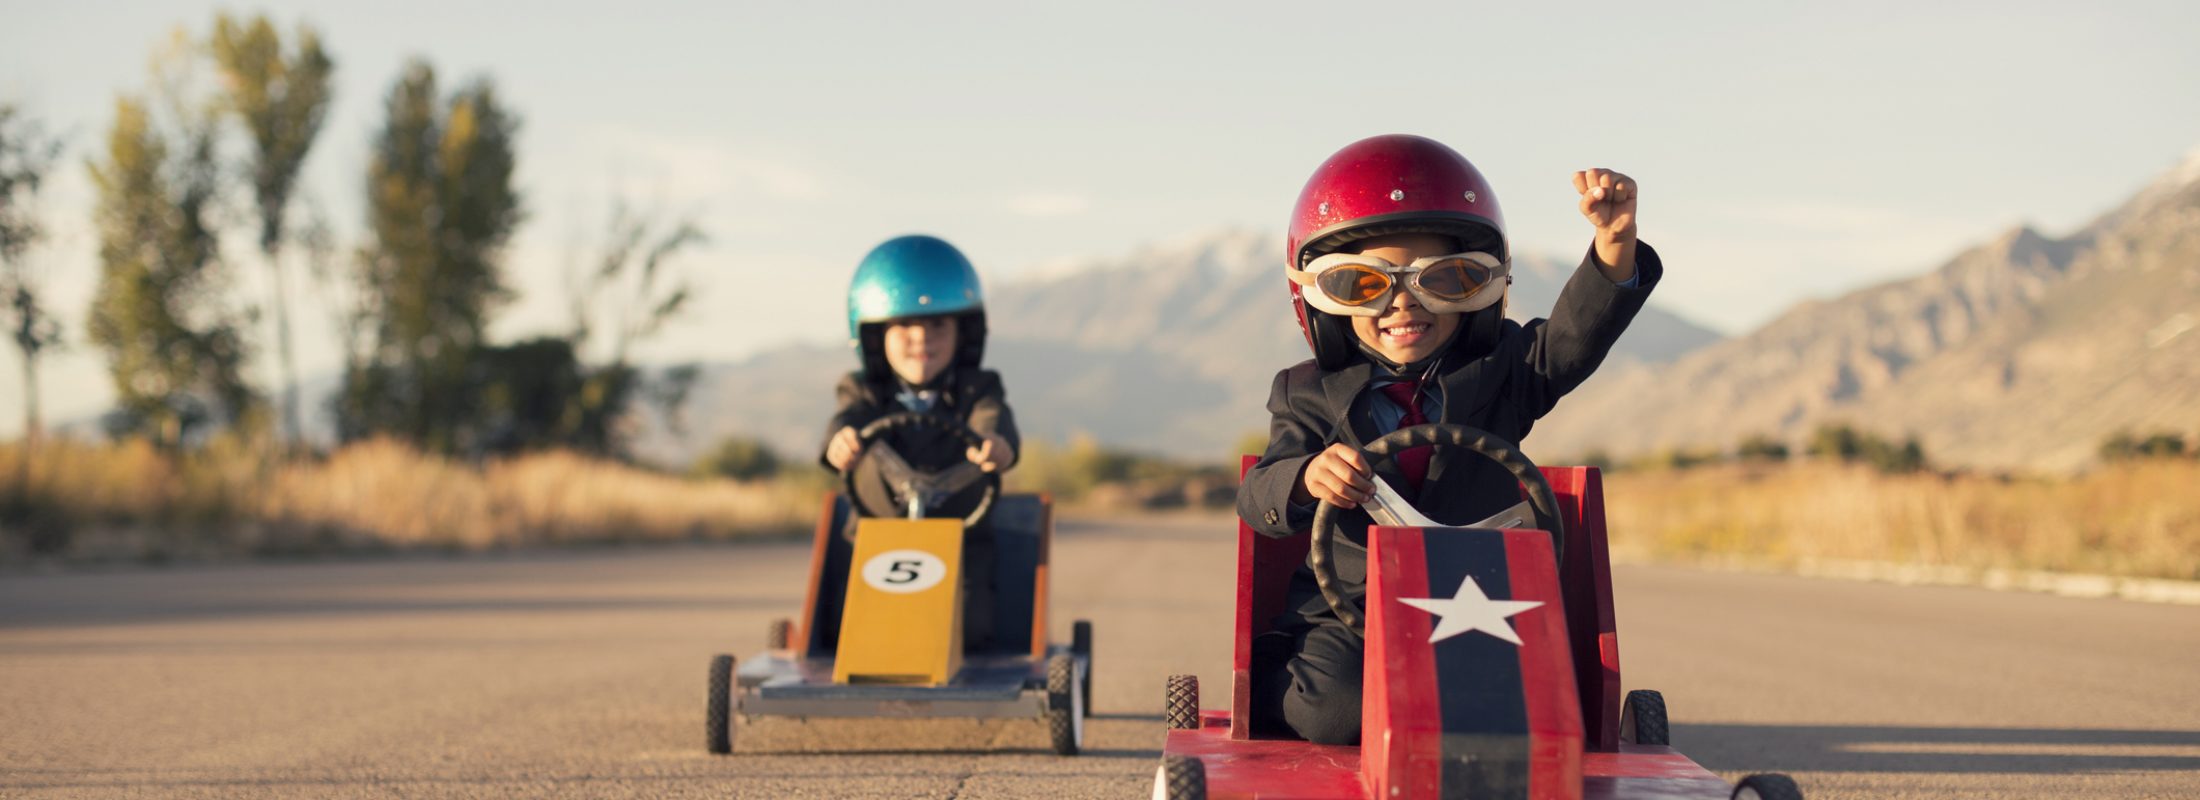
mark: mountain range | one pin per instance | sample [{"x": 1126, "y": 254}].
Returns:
[
  {"x": 2021, "y": 352},
  {"x": 1169, "y": 349}
]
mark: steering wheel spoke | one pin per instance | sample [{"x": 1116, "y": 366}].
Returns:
[
  {"x": 904, "y": 481},
  {"x": 955, "y": 479},
  {"x": 894, "y": 469},
  {"x": 1346, "y": 598}
]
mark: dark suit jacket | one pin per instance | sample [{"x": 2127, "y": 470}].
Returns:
[
  {"x": 971, "y": 396},
  {"x": 1503, "y": 392}
]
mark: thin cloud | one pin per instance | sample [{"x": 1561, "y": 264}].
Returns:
[
  {"x": 697, "y": 169},
  {"x": 1047, "y": 205}
]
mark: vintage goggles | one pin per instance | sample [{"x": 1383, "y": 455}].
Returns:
[{"x": 1362, "y": 286}]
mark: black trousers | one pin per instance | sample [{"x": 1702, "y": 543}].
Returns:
[
  {"x": 980, "y": 561},
  {"x": 1306, "y": 681}
]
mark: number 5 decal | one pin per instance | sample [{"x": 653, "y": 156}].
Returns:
[{"x": 904, "y": 571}]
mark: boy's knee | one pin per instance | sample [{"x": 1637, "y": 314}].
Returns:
[
  {"x": 1323, "y": 703},
  {"x": 1325, "y": 723}
]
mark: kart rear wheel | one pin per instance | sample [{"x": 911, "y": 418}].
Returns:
[
  {"x": 1080, "y": 642},
  {"x": 1182, "y": 706},
  {"x": 718, "y": 718},
  {"x": 1767, "y": 786},
  {"x": 1065, "y": 705},
  {"x": 1642, "y": 719},
  {"x": 781, "y": 634},
  {"x": 1180, "y": 778}
]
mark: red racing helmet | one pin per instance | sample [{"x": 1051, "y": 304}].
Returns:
[{"x": 1386, "y": 185}]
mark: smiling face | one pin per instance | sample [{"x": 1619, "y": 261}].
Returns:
[
  {"x": 1406, "y": 332},
  {"x": 919, "y": 348}
]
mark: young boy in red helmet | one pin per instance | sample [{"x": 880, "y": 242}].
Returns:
[{"x": 1398, "y": 270}]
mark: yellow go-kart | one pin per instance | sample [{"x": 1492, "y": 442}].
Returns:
[{"x": 881, "y": 632}]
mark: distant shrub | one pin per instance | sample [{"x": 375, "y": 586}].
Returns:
[
  {"x": 1846, "y": 443},
  {"x": 1674, "y": 458},
  {"x": 1761, "y": 447},
  {"x": 1599, "y": 458},
  {"x": 1684, "y": 458},
  {"x": 739, "y": 458},
  {"x": 1084, "y": 469},
  {"x": 1887, "y": 458},
  {"x": 2126, "y": 446}
]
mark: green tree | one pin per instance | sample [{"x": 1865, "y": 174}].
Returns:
[
  {"x": 440, "y": 207},
  {"x": 281, "y": 100},
  {"x": 158, "y": 313},
  {"x": 627, "y": 296},
  {"x": 739, "y": 458},
  {"x": 27, "y": 154}
]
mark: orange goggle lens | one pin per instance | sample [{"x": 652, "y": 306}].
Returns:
[
  {"x": 1354, "y": 285},
  {"x": 1453, "y": 279}
]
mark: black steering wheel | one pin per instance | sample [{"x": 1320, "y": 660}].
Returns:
[
  {"x": 1344, "y": 598},
  {"x": 905, "y": 483}
]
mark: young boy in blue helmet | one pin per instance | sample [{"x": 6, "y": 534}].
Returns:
[
  {"x": 917, "y": 320},
  {"x": 1398, "y": 268}
]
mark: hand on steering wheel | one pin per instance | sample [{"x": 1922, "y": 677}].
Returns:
[
  {"x": 1343, "y": 597},
  {"x": 912, "y": 489}
]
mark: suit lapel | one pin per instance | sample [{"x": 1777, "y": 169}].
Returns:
[
  {"x": 1339, "y": 389},
  {"x": 1468, "y": 390}
]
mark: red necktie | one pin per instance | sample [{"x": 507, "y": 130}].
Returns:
[{"x": 1414, "y": 461}]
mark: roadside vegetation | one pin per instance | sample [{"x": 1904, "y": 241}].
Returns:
[
  {"x": 1856, "y": 497},
  {"x": 131, "y": 501}
]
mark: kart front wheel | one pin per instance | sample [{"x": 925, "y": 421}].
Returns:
[
  {"x": 1181, "y": 707},
  {"x": 1065, "y": 705},
  {"x": 1180, "y": 778},
  {"x": 1642, "y": 719},
  {"x": 1767, "y": 786},
  {"x": 718, "y": 717},
  {"x": 1080, "y": 643}
]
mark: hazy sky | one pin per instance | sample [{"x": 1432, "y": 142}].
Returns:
[{"x": 1786, "y": 150}]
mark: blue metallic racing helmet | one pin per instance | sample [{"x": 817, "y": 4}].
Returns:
[{"x": 914, "y": 276}]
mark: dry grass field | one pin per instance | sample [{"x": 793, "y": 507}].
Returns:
[
  {"x": 2138, "y": 519},
  {"x": 129, "y": 501},
  {"x": 97, "y": 502}
]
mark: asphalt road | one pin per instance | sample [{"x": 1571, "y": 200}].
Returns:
[{"x": 581, "y": 673}]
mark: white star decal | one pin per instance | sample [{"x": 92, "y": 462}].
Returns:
[{"x": 1471, "y": 610}]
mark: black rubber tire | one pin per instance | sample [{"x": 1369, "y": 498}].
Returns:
[
  {"x": 780, "y": 635},
  {"x": 1080, "y": 643},
  {"x": 1183, "y": 778},
  {"x": 1181, "y": 708},
  {"x": 718, "y": 718},
  {"x": 1767, "y": 786},
  {"x": 1065, "y": 708},
  {"x": 1642, "y": 719}
]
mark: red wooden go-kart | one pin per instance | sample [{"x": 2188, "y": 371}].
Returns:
[{"x": 1492, "y": 660}]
